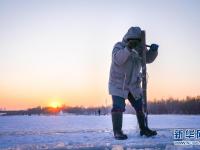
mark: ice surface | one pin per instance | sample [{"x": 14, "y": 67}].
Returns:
[{"x": 89, "y": 132}]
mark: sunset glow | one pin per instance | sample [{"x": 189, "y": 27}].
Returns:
[{"x": 59, "y": 52}]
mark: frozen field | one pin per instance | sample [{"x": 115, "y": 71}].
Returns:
[{"x": 89, "y": 132}]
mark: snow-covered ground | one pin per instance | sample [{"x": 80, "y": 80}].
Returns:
[{"x": 89, "y": 132}]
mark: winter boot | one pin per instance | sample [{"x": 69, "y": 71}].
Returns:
[
  {"x": 144, "y": 130},
  {"x": 117, "y": 126}
]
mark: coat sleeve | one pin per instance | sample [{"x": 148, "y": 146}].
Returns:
[
  {"x": 151, "y": 56},
  {"x": 120, "y": 54}
]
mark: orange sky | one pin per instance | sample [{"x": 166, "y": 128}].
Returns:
[{"x": 63, "y": 53}]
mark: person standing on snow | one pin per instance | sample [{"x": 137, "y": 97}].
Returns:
[{"x": 125, "y": 80}]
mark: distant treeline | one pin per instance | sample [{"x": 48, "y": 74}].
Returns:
[
  {"x": 87, "y": 110},
  {"x": 32, "y": 111},
  {"x": 190, "y": 105}
]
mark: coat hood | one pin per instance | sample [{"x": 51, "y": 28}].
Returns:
[{"x": 133, "y": 33}]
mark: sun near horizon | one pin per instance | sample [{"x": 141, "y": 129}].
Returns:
[{"x": 55, "y": 104}]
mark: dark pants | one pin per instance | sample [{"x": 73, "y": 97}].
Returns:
[{"x": 119, "y": 103}]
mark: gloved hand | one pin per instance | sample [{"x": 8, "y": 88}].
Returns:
[{"x": 154, "y": 47}]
